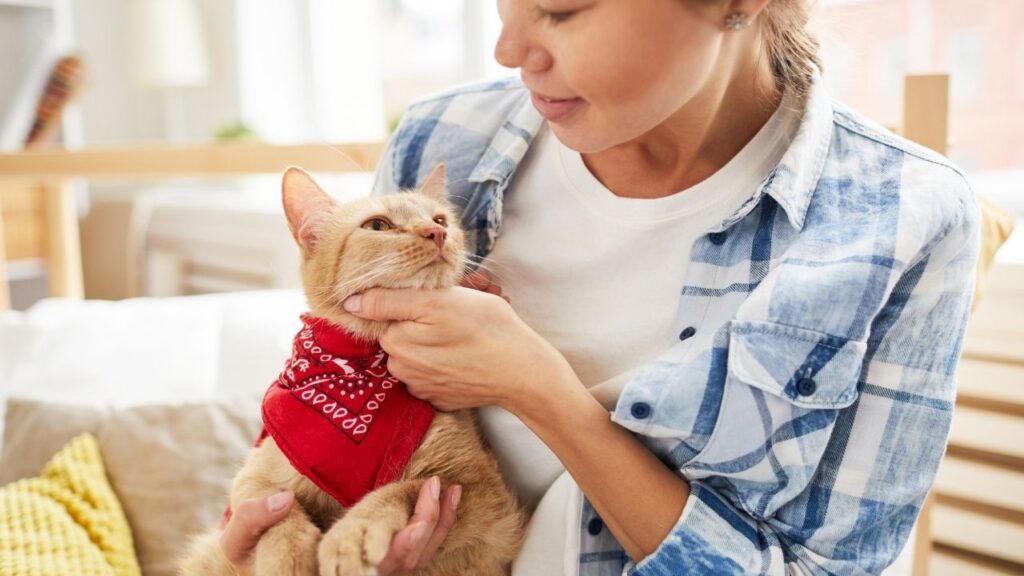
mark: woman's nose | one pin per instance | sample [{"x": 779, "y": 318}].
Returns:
[{"x": 515, "y": 48}]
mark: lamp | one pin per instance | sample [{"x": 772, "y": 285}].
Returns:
[{"x": 169, "y": 52}]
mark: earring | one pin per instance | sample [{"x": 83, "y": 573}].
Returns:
[{"x": 736, "y": 21}]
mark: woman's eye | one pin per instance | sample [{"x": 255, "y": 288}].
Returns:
[
  {"x": 442, "y": 221},
  {"x": 555, "y": 16},
  {"x": 377, "y": 224}
]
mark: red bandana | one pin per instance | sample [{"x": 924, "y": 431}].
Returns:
[{"x": 341, "y": 419}]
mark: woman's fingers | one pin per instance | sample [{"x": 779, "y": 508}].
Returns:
[
  {"x": 449, "y": 504},
  {"x": 411, "y": 546},
  {"x": 248, "y": 522},
  {"x": 409, "y": 542}
]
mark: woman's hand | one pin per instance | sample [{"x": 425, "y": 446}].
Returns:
[
  {"x": 414, "y": 546},
  {"x": 462, "y": 348},
  {"x": 248, "y": 522},
  {"x": 411, "y": 548}
]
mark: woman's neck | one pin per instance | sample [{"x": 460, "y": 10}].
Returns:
[{"x": 696, "y": 141}]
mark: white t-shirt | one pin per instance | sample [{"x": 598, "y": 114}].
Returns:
[{"x": 599, "y": 277}]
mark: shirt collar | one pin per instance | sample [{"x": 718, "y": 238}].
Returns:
[
  {"x": 791, "y": 184},
  {"x": 510, "y": 144}
]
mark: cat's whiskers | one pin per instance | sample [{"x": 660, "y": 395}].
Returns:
[
  {"x": 365, "y": 273},
  {"x": 486, "y": 266}
]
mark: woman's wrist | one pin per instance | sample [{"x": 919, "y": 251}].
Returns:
[{"x": 547, "y": 390}]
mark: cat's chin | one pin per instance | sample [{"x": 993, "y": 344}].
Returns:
[
  {"x": 370, "y": 330},
  {"x": 331, "y": 310}
]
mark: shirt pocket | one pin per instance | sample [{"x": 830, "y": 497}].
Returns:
[{"x": 784, "y": 389}]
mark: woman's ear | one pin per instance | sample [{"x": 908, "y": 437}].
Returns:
[
  {"x": 749, "y": 8},
  {"x": 435, "y": 184},
  {"x": 306, "y": 205}
]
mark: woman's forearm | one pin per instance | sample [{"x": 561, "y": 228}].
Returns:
[{"x": 638, "y": 498}]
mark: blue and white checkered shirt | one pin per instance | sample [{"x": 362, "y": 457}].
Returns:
[{"x": 809, "y": 398}]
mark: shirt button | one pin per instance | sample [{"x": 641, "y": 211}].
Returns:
[
  {"x": 594, "y": 526},
  {"x": 640, "y": 410},
  {"x": 687, "y": 332},
  {"x": 806, "y": 386},
  {"x": 717, "y": 238}
]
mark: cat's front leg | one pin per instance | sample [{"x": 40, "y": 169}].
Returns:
[
  {"x": 289, "y": 548},
  {"x": 357, "y": 543}
]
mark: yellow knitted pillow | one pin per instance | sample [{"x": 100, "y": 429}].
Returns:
[{"x": 67, "y": 520}]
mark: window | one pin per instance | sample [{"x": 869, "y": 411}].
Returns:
[
  {"x": 873, "y": 43},
  {"x": 965, "y": 63}
]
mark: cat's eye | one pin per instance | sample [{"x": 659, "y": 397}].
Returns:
[
  {"x": 377, "y": 224},
  {"x": 441, "y": 220}
]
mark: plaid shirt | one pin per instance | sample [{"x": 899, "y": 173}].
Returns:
[{"x": 808, "y": 400}]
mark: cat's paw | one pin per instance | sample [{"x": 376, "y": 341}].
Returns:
[
  {"x": 356, "y": 546},
  {"x": 287, "y": 549}
]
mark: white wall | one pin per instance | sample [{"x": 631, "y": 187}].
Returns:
[
  {"x": 295, "y": 70},
  {"x": 116, "y": 109}
]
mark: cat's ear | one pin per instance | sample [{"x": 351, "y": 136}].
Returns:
[
  {"x": 305, "y": 205},
  {"x": 435, "y": 184}
]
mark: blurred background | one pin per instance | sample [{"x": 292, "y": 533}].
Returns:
[
  {"x": 303, "y": 70},
  {"x": 189, "y": 89},
  {"x": 185, "y": 72}
]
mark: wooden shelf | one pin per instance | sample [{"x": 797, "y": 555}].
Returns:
[{"x": 198, "y": 160}]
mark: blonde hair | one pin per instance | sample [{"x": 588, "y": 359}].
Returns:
[{"x": 791, "y": 47}]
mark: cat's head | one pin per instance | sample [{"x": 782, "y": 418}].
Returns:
[{"x": 409, "y": 240}]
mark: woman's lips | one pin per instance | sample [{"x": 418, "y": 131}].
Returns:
[{"x": 554, "y": 109}]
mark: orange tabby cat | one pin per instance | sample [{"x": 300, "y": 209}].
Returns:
[{"x": 348, "y": 248}]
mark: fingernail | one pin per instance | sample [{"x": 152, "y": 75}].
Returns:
[
  {"x": 417, "y": 533},
  {"x": 279, "y": 501},
  {"x": 435, "y": 487},
  {"x": 456, "y": 496},
  {"x": 353, "y": 303}
]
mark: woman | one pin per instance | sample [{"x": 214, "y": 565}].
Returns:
[{"x": 765, "y": 291}]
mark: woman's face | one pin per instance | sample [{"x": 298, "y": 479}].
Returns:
[{"x": 604, "y": 72}]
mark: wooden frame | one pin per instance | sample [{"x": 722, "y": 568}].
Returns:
[{"x": 926, "y": 121}]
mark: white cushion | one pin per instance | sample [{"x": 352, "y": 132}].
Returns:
[
  {"x": 147, "y": 350},
  {"x": 255, "y": 340}
]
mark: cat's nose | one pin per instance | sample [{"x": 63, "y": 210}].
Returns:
[{"x": 436, "y": 234}]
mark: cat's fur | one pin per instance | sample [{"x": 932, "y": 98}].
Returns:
[{"x": 340, "y": 258}]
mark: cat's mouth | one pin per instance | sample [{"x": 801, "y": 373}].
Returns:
[{"x": 440, "y": 260}]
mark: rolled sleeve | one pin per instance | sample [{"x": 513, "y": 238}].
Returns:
[{"x": 712, "y": 537}]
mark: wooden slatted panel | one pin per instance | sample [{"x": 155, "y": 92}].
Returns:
[
  {"x": 992, "y": 381},
  {"x": 1000, "y": 486},
  {"x": 988, "y": 431},
  {"x": 979, "y": 532},
  {"x": 949, "y": 562},
  {"x": 995, "y": 329}
]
